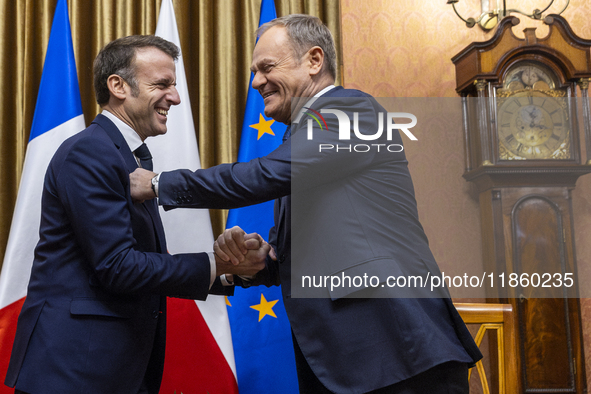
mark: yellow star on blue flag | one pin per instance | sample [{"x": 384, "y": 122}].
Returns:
[
  {"x": 265, "y": 307},
  {"x": 264, "y": 126}
]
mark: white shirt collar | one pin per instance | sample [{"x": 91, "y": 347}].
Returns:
[
  {"x": 132, "y": 138},
  {"x": 311, "y": 101}
]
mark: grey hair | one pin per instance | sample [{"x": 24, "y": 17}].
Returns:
[
  {"x": 118, "y": 57},
  {"x": 305, "y": 32}
]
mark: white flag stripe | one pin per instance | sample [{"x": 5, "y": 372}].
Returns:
[
  {"x": 187, "y": 230},
  {"x": 24, "y": 230},
  {"x": 191, "y": 230}
]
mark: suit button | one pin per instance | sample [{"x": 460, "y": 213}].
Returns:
[{"x": 155, "y": 314}]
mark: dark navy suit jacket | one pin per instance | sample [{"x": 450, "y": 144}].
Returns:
[
  {"x": 348, "y": 213},
  {"x": 95, "y": 314}
]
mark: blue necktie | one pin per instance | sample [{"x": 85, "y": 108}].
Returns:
[
  {"x": 143, "y": 153},
  {"x": 287, "y": 133}
]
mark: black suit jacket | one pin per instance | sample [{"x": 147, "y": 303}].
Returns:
[
  {"x": 95, "y": 314},
  {"x": 349, "y": 213}
]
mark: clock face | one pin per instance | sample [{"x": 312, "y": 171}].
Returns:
[
  {"x": 532, "y": 115},
  {"x": 532, "y": 125}
]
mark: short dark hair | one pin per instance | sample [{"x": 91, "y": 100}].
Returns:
[
  {"x": 118, "y": 57},
  {"x": 305, "y": 32}
]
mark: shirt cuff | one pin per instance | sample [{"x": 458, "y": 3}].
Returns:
[
  {"x": 157, "y": 186},
  {"x": 224, "y": 281},
  {"x": 212, "y": 268}
]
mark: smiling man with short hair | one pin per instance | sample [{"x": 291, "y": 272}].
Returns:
[
  {"x": 356, "y": 213},
  {"x": 94, "y": 318}
]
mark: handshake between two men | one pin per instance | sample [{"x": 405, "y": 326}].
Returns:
[{"x": 238, "y": 253}]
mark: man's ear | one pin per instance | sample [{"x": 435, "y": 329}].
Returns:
[
  {"x": 117, "y": 86},
  {"x": 316, "y": 59}
]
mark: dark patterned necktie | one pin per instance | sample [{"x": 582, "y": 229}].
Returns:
[
  {"x": 143, "y": 153},
  {"x": 287, "y": 133}
]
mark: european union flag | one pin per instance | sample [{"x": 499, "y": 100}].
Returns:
[{"x": 261, "y": 334}]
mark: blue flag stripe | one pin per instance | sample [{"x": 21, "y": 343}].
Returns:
[
  {"x": 59, "y": 79},
  {"x": 258, "y": 345}
]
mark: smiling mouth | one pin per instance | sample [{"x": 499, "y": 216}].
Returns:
[
  {"x": 162, "y": 112},
  {"x": 268, "y": 95}
]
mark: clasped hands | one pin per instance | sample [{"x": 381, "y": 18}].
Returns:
[{"x": 238, "y": 253}]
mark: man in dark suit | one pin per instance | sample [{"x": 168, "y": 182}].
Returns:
[
  {"x": 348, "y": 211},
  {"x": 95, "y": 314}
]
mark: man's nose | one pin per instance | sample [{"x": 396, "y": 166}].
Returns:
[
  {"x": 258, "y": 80},
  {"x": 174, "y": 96}
]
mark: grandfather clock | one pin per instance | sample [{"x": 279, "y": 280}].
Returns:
[{"x": 523, "y": 151}]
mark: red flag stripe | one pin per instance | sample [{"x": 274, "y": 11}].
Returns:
[
  {"x": 8, "y": 319},
  {"x": 189, "y": 342}
]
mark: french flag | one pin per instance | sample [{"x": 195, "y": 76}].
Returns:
[{"x": 58, "y": 116}]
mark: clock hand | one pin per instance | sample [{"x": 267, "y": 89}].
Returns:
[{"x": 531, "y": 113}]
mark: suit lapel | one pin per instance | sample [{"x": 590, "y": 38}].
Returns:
[
  {"x": 117, "y": 138},
  {"x": 150, "y": 206}
]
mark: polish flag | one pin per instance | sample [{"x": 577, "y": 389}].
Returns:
[{"x": 199, "y": 355}]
